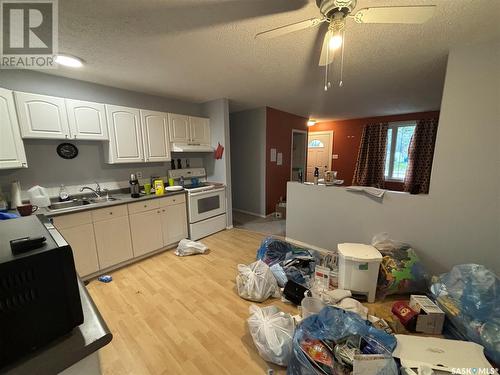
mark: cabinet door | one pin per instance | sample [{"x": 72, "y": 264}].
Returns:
[
  {"x": 42, "y": 116},
  {"x": 125, "y": 139},
  {"x": 179, "y": 128},
  {"x": 113, "y": 241},
  {"x": 87, "y": 120},
  {"x": 82, "y": 241},
  {"x": 200, "y": 130},
  {"x": 174, "y": 223},
  {"x": 146, "y": 232},
  {"x": 155, "y": 136},
  {"x": 12, "y": 154}
]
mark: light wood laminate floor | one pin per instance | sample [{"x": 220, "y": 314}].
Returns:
[{"x": 173, "y": 315}]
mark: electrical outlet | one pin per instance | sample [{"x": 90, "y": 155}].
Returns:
[{"x": 139, "y": 174}]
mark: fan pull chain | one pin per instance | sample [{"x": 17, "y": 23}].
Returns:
[
  {"x": 341, "y": 83},
  {"x": 327, "y": 82}
]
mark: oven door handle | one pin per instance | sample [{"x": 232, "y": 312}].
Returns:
[{"x": 207, "y": 192}]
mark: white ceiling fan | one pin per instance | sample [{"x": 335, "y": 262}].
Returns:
[{"x": 336, "y": 12}]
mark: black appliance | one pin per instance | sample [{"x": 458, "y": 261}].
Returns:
[{"x": 39, "y": 298}]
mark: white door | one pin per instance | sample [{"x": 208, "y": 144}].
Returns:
[
  {"x": 42, "y": 116},
  {"x": 179, "y": 128},
  {"x": 319, "y": 153},
  {"x": 82, "y": 241},
  {"x": 174, "y": 223},
  {"x": 12, "y": 154},
  {"x": 155, "y": 136},
  {"x": 146, "y": 229},
  {"x": 87, "y": 120},
  {"x": 113, "y": 241},
  {"x": 125, "y": 139},
  {"x": 199, "y": 130}
]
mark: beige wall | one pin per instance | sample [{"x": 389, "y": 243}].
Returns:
[{"x": 459, "y": 220}]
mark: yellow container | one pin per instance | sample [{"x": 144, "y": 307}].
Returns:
[{"x": 159, "y": 187}]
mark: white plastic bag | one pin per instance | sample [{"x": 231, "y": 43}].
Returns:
[
  {"x": 256, "y": 282},
  {"x": 188, "y": 247},
  {"x": 272, "y": 333}
]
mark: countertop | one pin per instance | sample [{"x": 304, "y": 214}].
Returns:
[
  {"x": 62, "y": 353},
  {"x": 121, "y": 199}
]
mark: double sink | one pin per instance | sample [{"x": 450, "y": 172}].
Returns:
[{"x": 59, "y": 206}]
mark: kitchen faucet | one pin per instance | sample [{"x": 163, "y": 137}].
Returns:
[{"x": 97, "y": 190}]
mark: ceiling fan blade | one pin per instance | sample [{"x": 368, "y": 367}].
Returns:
[
  {"x": 282, "y": 30},
  {"x": 326, "y": 53},
  {"x": 403, "y": 14}
]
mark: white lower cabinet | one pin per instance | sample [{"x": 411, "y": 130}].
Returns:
[
  {"x": 146, "y": 232},
  {"x": 112, "y": 235},
  {"x": 174, "y": 223},
  {"x": 82, "y": 242},
  {"x": 78, "y": 231},
  {"x": 105, "y": 237}
]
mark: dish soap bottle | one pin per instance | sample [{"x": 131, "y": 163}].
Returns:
[
  {"x": 63, "y": 194},
  {"x": 316, "y": 175}
]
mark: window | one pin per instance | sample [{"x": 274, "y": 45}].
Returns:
[
  {"x": 398, "y": 140},
  {"x": 316, "y": 144}
]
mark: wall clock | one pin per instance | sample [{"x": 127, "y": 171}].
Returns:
[{"x": 67, "y": 151}]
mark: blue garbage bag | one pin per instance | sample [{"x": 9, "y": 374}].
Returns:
[
  {"x": 334, "y": 324},
  {"x": 470, "y": 296}
]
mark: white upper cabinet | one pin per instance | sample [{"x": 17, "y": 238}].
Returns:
[
  {"x": 189, "y": 130},
  {"x": 87, "y": 120},
  {"x": 155, "y": 136},
  {"x": 125, "y": 138},
  {"x": 179, "y": 128},
  {"x": 12, "y": 154},
  {"x": 42, "y": 116},
  {"x": 200, "y": 130}
]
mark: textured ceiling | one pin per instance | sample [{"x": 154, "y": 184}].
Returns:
[{"x": 199, "y": 50}]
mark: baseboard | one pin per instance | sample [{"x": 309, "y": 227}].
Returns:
[
  {"x": 250, "y": 213},
  {"x": 309, "y": 246},
  {"x": 229, "y": 227}
]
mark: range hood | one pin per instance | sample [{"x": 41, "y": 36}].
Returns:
[{"x": 182, "y": 147}]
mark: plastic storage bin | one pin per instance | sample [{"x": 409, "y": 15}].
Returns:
[{"x": 358, "y": 268}]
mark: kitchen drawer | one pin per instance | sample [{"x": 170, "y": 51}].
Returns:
[
  {"x": 109, "y": 213},
  {"x": 169, "y": 201},
  {"x": 146, "y": 205},
  {"x": 72, "y": 220}
]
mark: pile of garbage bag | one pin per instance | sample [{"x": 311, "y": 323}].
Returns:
[
  {"x": 401, "y": 270},
  {"x": 330, "y": 341},
  {"x": 256, "y": 282},
  {"x": 288, "y": 260},
  {"x": 272, "y": 333},
  {"x": 470, "y": 296}
]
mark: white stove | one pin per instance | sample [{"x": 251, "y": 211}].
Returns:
[{"x": 206, "y": 201}]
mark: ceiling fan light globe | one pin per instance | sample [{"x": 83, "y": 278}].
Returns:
[{"x": 335, "y": 42}]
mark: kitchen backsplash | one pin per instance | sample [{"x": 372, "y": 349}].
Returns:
[{"x": 47, "y": 169}]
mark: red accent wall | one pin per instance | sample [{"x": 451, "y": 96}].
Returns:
[
  {"x": 347, "y": 137},
  {"x": 279, "y": 126}
]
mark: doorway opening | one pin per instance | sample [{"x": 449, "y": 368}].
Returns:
[
  {"x": 298, "y": 163},
  {"x": 319, "y": 153}
]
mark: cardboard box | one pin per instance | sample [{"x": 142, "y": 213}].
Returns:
[{"x": 430, "y": 317}]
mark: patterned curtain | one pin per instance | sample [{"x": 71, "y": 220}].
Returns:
[
  {"x": 420, "y": 155},
  {"x": 371, "y": 156}
]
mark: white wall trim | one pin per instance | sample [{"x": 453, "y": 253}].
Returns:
[{"x": 250, "y": 213}]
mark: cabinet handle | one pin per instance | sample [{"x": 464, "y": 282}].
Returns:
[
  {"x": 162, "y": 210},
  {"x": 173, "y": 200},
  {"x": 158, "y": 211},
  {"x": 111, "y": 213},
  {"x": 145, "y": 206}
]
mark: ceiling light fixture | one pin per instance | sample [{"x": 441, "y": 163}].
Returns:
[
  {"x": 311, "y": 122},
  {"x": 70, "y": 61}
]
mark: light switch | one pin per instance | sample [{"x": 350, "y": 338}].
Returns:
[{"x": 335, "y": 156}]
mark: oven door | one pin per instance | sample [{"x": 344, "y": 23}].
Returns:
[{"x": 207, "y": 204}]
